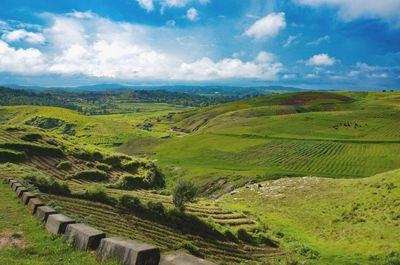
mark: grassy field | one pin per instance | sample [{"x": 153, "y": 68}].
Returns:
[
  {"x": 24, "y": 241},
  {"x": 343, "y": 135},
  {"x": 329, "y": 220}
]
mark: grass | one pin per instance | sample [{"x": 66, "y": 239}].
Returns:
[
  {"x": 344, "y": 221},
  {"x": 41, "y": 247}
]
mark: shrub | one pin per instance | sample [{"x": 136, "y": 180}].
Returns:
[
  {"x": 244, "y": 236},
  {"x": 89, "y": 155},
  {"x": 7, "y": 155},
  {"x": 133, "y": 165},
  {"x": 189, "y": 247},
  {"x": 64, "y": 165},
  {"x": 34, "y": 149},
  {"x": 102, "y": 166},
  {"x": 93, "y": 175},
  {"x": 182, "y": 193},
  {"x": 114, "y": 160},
  {"x": 131, "y": 203},
  {"x": 130, "y": 182},
  {"x": 96, "y": 193},
  {"x": 157, "y": 208},
  {"x": 51, "y": 186},
  {"x": 31, "y": 137},
  {"x": 230, "y": 236}
]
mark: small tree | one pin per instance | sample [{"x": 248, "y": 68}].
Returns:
[{"x": 183, "y": 192}]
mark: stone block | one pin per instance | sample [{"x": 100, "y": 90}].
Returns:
[
  {"x": 20, "y": 191},
  {"x": 43, "y": 212},
  {"x": 84, "y": 237},
  {"x": 26, "y": 196},
  {"x": 183, "y": 259},
  {"x": 11, "y": 182},
  {"x": 16, "y": 185},
  {"x": 57, "y": 223},
  {"x": 128, "y": 252},
  {"x": 33, "y": 204}
]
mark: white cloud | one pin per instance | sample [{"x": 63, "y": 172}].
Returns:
[
  {"x": 320, "y": 40},
  {"x": 353, "y": 9},
  {"x": 290, "y": 40},
  {"x": 264, "y": 56},
  {"x": 20, "y": 60},
  {"x": 97, "y": 47},
  {"x": 267, "y": 27},
  {"x": 23, "y": 35},
  {"x": 322, "y": 59},
  {"x": 192, "y": 14},
  {"x": 146, "y": 4}
]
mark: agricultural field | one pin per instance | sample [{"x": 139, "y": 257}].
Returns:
[{"x": 298, "y": 178}]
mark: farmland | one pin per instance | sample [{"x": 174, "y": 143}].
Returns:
[{"x": 310, "y": 177}]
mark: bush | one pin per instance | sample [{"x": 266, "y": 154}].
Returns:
[
  {"x": 132, "y": 166},
  {"x": 31, "y": 137},
  {"x": 157, "y": 208},
  {"x": 11, "y": 156},
  {"x": 34, "y": 149},
  {"x": 102, "y": 166},
  {"x": 230, "y": 236},
  {"x": 96, "y": 193},
  {"x": 189, "y": 247},
  {"x": 131, "y": 203},
  {"x": 131, "y": 182},
  {"x": 64, "y": 165},
  {"x": 92, "y": 175},
  {"x": 89, "y": 155},
  {"x": 182, "y": 193},
  {"x": 114, "y": 160},
  {"x": 244, "y": 236},
  {"x": 47, "y": 185}
]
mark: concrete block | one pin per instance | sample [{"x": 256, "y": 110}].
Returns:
[
  {"x": 33, "y": 204},
  {"x": 11, "y": 182},
  {"x": 43, "y": 212},
  {"x": 57, "y": 223},
  {"x": 15, "y": 185},
  {"x": 128, "y": 252},
  {"x": 183, "y": 259},
  {"x": 20, "y": 191},
  {"x": 26, "y": 196},
  {"x": 83, "y": 236}
]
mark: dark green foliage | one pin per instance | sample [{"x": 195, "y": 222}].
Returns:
[
  {"x": 93, "y": 175},
  {"x": 47, "y": 185},
  {"x": 230, "y": 236},
  {"x": 88, "y": 155},
  {"x": 34, "y": 149},
  {"x": 45, "y": 122},
  {"x": 244, "y": 236},
  {"x": 31, "y": 137},
  {"x": 115, "y": 160},
  {"x": 131, "y": 203},
  {"x": 182, "y": 193},
  {"x": 157, "y": 208},
  {"x": 189, "y": 247},
  {"x": 64, "y": 165},
  {"x": 132, "y": 166},
  {"x": 7, "y": 155}
]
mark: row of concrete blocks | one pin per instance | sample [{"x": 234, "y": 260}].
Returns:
[{"x": 84, "y": 237}]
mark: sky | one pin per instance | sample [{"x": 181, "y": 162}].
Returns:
[{"x": 319, "y": 44}]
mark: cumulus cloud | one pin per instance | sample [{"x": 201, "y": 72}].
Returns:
[
  {"x": 146, "y": 4},
  {"x": 23, "y": 35},
  {"x": 322, "y": 59},
  {"x": 98, "y": 47},
  {"x": 192, "y": 14},
  {"x": 267, "y": 27},
  {"x": 20, "y": 60},
  {"x": 350, "y": 10}
]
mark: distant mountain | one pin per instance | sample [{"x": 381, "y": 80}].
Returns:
[{"x": 200, "y": 90}]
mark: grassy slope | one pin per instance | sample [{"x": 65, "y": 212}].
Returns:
[
  {"x": 262, "y": 138},
  {"x": 346, "y": 221},
  {"x": 43, "y": 248}
]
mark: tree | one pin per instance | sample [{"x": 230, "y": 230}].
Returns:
[{"x": 183, "y": 192}]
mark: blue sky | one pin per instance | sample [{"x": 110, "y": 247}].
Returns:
[{"x": 328, "y": 44}]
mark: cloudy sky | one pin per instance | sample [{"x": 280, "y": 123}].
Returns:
[{"x": 306, "y": 43}]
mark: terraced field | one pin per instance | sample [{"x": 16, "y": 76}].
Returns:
[{"x": 113, "y": 222}]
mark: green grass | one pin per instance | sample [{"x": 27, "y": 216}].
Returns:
[
  {"x": 345, "y": 221},
  {"x": 41, "y": 247}
]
